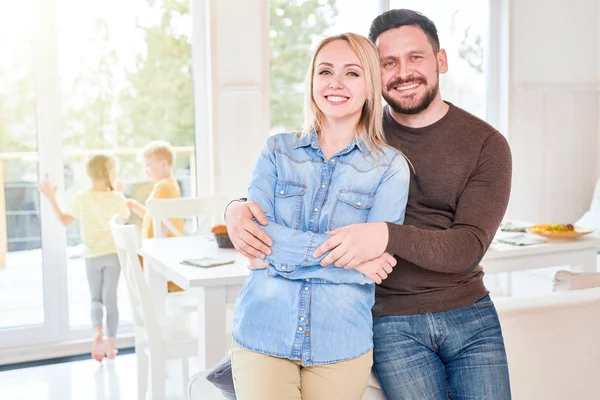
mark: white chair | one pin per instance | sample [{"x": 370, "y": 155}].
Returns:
[
  {"x": 206, "y": 210},
  {"x": 155, "y": 342},
  {"x": 552, "y": 344}
]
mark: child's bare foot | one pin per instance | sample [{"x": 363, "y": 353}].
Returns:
[
  {"x": 98, "y": 347},
  {"x": 111, "y": 348}
]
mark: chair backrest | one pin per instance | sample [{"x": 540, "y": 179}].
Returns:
[
  {"x": 206, "y": 211},
  {"x": 128, "y": 242},
  {"x": 567, "y": 280},
  {"x": 552, "y": 344}
]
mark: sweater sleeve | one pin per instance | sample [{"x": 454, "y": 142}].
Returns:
[{"x": 479, "y": 211}]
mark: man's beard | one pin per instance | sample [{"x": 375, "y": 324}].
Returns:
[{"x": 416, "y": 108}]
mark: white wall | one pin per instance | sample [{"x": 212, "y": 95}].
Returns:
[
  {"x": 232, "y": 92},
  {"x": 553, "y": 109},
  {"x": 552, "y": 118}
]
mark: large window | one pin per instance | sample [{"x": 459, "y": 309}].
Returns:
[
  {"x": 126, "y": 79},
  {"x": 21, "y": 278},
  {"x": 296, "y": 26},
  {"x": 77, "y": 77},
  {"x": 463, "y": 27}
]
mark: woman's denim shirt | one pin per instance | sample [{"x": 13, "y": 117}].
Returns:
[{"x": 295, "y": 308}]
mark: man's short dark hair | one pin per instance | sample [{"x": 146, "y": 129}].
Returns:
[{"x": 403, "y": 17}]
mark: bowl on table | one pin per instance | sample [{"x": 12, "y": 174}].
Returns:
[{"x": 222, "y": 237}]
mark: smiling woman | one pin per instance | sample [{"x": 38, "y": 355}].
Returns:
[
  {"x": 344, "y": 80},
  {"x": 337, "y": 87},
  {"x": 337, "y": 171}
]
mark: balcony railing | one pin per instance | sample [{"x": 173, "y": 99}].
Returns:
[{"x": 187, "y": 151}]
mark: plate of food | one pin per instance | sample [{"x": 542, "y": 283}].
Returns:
[{"x": 559, "y": 231}]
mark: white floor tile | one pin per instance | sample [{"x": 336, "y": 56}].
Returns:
[{"x": 88, "y": 380}]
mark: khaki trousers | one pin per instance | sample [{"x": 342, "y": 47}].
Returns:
[{"x": 261, "y": 377}]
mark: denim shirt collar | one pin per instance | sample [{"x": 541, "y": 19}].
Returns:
[{"x": 313, "y": 141}]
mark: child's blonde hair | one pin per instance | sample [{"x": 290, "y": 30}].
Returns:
[
  {"x": 370, "y": 129},
  {"x": 161, "y": 150},
  {"x": 98, "y": 168}
]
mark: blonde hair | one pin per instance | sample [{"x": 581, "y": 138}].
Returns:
[
  {"x": 370, "y": 128},
  {"x": 98, "y": 168},
  {"x": 161, "y": 150}
]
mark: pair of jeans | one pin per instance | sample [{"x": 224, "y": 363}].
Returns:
[{"x": 455, "y": 355}]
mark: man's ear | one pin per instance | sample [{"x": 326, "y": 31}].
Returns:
[{"x": 442, "y": 60}]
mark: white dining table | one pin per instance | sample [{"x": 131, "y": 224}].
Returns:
[
  {"x": 213, "y": 287},
  {"x": 579, "y": 254},
  {"x": 218, "y": 286}
]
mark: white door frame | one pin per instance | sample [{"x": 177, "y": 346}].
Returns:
[{"x": 54, "y": 255}]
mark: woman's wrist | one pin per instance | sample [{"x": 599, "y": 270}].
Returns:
[{"x": 241, "y": 199}]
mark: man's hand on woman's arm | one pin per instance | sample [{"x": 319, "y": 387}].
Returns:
[
  {"x": 253, "y": 242},
  {"x": 379, "y": 268},
  {"x": 355, "y": 244},
  {"x": 246, "y": 235}
]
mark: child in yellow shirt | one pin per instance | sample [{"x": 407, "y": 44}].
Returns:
[
  {"x": 94, "y": 209},
  {"x": 158, "y": 158}
]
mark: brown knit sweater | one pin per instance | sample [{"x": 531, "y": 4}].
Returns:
[{"x": 458, "y": 197}]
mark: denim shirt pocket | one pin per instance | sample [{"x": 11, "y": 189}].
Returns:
[
  {"x": 351, "y": 207},
  {"x": 288, "y": 203}
]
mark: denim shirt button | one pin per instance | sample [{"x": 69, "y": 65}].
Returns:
[
  {"x": 358, "y": 203},
  {"x": 283, "y": 267},
  {"x": 305, "y": 287},
  {"x": 307, "y": 279},
  {"x": 299, "y": 329},
  {"x": 282, "y": 192},
  {"x": 332, "y": 160},
  {"x": 323, "y": 186},
  {"x": 316, "y": 209},
  {"x": 301, "y": 318}
]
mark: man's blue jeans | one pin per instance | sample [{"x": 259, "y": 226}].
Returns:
[{"x": 453, "y": 355}]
